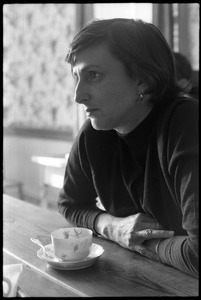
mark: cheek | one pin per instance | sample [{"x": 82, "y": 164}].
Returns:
[
  {"x": 115, "y": 93},
  {"x": 111, "y": 94},
  {"x": 121, "y": 97},
  {"x": 105, "y": 95}
]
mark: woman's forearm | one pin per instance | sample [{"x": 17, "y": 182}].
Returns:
[
  {"x": 176, "y": 252},
  {"x": 130, "y": 232},
  {"x": 170, "y": 250}
]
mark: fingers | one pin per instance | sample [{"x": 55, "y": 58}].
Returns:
[
  {"x": 152, "y": 225},
  {"x": 148, "y": 235},
  {"x": 153, "y": 234}
]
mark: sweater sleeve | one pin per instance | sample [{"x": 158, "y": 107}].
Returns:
[
  {"x": 77, "y": 198},
  {"x": 182, "y": 160}
]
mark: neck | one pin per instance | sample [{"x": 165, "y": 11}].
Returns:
[{"x": 134, "y": 123}]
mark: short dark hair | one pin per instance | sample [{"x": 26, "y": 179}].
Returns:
[
  {"x": 183, "y": 66},
  {"x": 140, "y": 46}
]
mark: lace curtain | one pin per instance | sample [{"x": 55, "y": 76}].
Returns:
[{"x": 37, "y": 83}]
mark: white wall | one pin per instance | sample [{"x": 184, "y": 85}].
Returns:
[{"x": 17, "y": 164}]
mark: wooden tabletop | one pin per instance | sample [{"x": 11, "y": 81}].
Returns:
[{"x": 118, "y": 272}]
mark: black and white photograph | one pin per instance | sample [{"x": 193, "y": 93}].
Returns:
[{"x": 100, "y": 158}]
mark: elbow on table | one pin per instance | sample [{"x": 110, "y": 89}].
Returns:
[
  {"x": 191, "y": 255},
  {"x": 62, "y": 204}
]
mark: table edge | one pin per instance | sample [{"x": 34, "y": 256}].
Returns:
[{"x": 73, "y": 290}]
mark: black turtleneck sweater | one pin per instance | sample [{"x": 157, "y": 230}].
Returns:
[{"x": 153, "y": 169}]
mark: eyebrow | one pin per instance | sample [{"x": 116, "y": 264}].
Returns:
[{"x": 86, "y": 68}]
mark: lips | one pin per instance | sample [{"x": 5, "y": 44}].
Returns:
[{"x": 90, "y": 110}]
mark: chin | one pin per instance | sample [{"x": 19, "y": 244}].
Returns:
[{"x": 99, "y": 125}]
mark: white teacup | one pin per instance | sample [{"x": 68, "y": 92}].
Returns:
[{"x": 72, "y": 243}]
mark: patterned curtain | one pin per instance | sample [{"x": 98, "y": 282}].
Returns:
[{"x": 37, "y": 83}]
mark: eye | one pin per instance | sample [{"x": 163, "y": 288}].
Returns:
[{"x": 93, "y": 75}]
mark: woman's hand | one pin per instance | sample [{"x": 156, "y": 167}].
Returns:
[
  {"x": 132, "y": 231},
  {"x": 150, "y": 249}
]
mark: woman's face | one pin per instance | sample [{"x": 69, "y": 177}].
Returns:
[{"x": 110, "y": 97}]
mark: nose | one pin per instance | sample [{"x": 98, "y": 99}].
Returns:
[{"x": 81, "y": 94}]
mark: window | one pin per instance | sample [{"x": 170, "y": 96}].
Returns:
[{"x": 123, "y": 10}]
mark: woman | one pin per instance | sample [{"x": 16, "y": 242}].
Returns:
[{"x": 138, "y": 150}]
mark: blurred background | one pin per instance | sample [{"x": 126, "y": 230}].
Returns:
[{"x": 40, "y": 119}]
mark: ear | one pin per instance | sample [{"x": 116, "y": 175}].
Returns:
[{"x": 142, "y": 87}]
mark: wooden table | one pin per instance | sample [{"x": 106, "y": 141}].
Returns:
[{"x": 118, "y": 272}]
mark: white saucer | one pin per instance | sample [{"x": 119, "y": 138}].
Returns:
[{"x": 95, "y": 252}]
